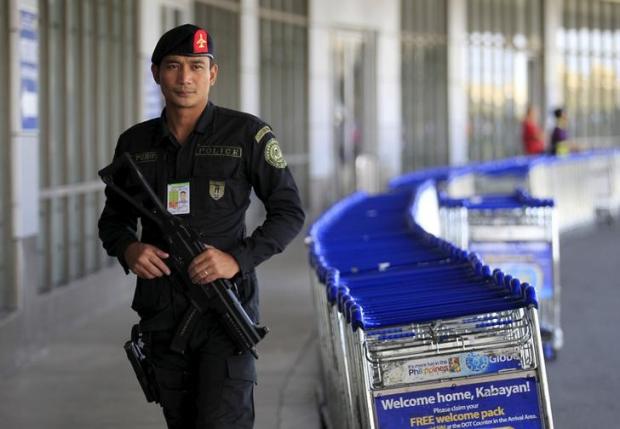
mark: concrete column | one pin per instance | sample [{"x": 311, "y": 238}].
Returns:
[
  {"x": 24, "y": 93},
  {"x": 24, "y": 145},
  {"x": 552, "y": 57},
  {"x": 389, "y": 109},
  {"x": 457, "y": 82},
  {"x": 320, "y": 131},
  {"x": 250, "y": 57}
]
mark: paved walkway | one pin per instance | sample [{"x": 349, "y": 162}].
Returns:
[
  {"x": 584, "y": 380},
  {"x": 83, "y": 381}
]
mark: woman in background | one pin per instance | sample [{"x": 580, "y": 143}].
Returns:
[{"x": 533, "y": 138}]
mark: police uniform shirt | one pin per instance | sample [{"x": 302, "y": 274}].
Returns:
[{"x": 228, "y": 154}]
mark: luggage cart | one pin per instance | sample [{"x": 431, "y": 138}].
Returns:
[
  {"x": 503, "y": 176},
  {"x": 431, "y": 374},
  {"x": 518, "y": 234},
  {"x": 345, "y": 235},
  {"x": 378, "y": 317},
  {"x": 458, "y": 182},
  {"x": 332, "y": 228},
  {"x": 453, "y": 220}
]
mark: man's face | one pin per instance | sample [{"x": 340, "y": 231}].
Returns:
[{"x": 185, "y": 81}]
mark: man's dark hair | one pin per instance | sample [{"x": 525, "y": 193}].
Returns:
[{"x": 558, "y": 113}]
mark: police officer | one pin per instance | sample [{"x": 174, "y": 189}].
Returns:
[{"x": 203, "y": 161}]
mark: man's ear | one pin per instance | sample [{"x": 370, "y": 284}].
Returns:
[
  {"x": 213, "y": 71},
  {"x": 155, "y": 72}
]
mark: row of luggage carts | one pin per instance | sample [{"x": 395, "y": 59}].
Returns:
[
  {"x": 517, "y": 234},
  {"x": 417, "y": 333}
]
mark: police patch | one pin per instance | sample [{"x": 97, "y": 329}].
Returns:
[
  {"x": 145, "y": 157},
  {"x": 273, "y": 154},
  {"x": 230, "y": 151},
  {"x": 216, "y": 189},
  {"x": 261, "y": 133}
]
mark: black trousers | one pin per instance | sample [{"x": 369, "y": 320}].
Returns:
[{"x": 208, "y": 387}]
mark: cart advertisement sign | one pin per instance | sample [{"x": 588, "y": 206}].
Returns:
[
  {"x": 530, "y": 262},
  {"x": 450, "y": 366},
  {"x": 500, "y": 404}
]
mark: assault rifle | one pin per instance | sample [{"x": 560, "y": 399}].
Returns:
[{"x": 184, "y": 245}]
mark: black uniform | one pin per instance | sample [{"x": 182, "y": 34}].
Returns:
[{"x": 228, "y": 154}]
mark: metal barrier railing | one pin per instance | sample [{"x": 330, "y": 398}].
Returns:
[
  {"x": 581, "y": 185},
  {"x": 584, "y": 186}
]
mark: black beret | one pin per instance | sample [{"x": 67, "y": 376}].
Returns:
[{"x": 187, "y": 40}]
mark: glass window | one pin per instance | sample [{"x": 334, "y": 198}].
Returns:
[
  {"x": 295, "y": 7},
  {"x": 504, "y": 45},
  {"x": 424, "y": 83},
  {"x": 88, "y": 97},
  {"x": 283, "y": 81},
  {"x": 590, "y": 46},
  {"x": 354, "y": 106},
  {"x": 170, "y": 17}
]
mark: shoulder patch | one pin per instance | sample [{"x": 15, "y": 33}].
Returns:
[
  {"x": 273, "y": 154},
  {"x": 261, "y": 133}
]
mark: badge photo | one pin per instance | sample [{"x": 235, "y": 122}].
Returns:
[{"x": 177, "y": 198}]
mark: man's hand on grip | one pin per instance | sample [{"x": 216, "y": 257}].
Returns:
[
  {"x": 146, "y": 260},
  {"x": 212, "y": 264}
]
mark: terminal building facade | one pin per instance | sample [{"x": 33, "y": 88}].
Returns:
[{"x": 357, "y": 91}]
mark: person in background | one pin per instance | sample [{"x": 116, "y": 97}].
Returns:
[
  {"x": 559, "y": 144},
  {"x": 533, "y": 137}
]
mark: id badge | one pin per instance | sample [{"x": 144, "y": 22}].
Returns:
[{"x": 178, "y": 198}]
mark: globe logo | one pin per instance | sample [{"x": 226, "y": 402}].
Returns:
[{"x": 476, "y": 362}]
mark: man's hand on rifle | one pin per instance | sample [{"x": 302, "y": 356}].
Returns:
[
  {"x": 212, "y": 264},
  {"x": 146, "y": 260}
]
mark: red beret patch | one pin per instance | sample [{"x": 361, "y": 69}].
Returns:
[{"x": 200, "y": 42}]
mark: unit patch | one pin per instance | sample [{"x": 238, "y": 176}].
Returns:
[
  {"x": 273, "y": 154},
  {"x": 200, "y": 42},
  {"x": 216, "y": 189},
  {"x": 230, "y": 151},
  {"x": 261, "y": 133},
  {"x": 145, "y": 157}
]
